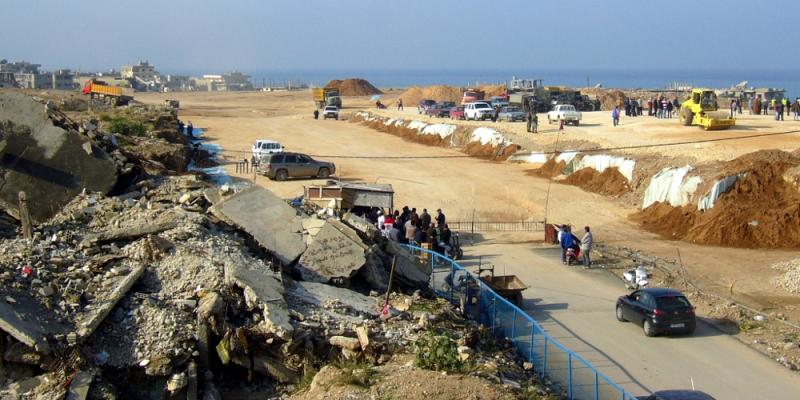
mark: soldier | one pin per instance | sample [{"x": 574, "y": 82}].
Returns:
[{"x": 533, "y": 121}]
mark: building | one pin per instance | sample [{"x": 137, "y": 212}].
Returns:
[
  {"x": 63, "y": 79},
  {"x": 144, "y": 71},
  {"x": 179, "y": 83},
  {"x": 19, "y": 67},
  {"x": 7, "y": 80},
  {"x": 236, "y": 80},
  {"x": 210, "y": 83}
]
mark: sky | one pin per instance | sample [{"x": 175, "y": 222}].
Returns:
[{"x": 248, "y": 35}]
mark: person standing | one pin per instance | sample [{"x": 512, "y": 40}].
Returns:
[
  {"x": 615, "y": 116},
  {"x": 757, "y": 105},
  {"x": 316, "y": 113},
  {"x": 411, "y": 231},
  {"x": 561, "y": 126},
  {"x": 784, "y": 107},
  {"x": 587, "y": 242},
  {"x": 400, "y": 104},
  {"x": 425, "y": 218},
  {"x": 566, "y": 243},
  {"x": 796, "y": 109},
  {"x": 750, "y": 105},
  {"x": 733, "y": 108},
  {"x": 190, "y": 130},
  {"x": 440, "y": 218}
]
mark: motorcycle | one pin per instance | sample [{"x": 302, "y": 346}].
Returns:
[
  {"x": 572, "y": 255},
  {"x": 636, "y": 278}
]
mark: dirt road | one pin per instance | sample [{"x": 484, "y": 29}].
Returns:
[{"x": 576, "y": 307}]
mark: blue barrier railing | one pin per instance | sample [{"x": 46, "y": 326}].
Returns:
[{"x": 550, "y": 359}]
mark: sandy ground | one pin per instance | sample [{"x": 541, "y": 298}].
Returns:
[{"x": 492, "y": 190}]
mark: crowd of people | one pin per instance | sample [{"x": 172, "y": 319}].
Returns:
[
  {"x": 582, "y": 247},
  {"x": 779, "y": 107},
  {"x": 659, "y": 107},
  {"x": 409, "y": 227}
]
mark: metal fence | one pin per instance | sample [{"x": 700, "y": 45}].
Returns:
[
  {"x": 550, "y": 359},
  {"x": 496, "y": 226}
]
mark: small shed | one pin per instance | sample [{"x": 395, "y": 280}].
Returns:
[{"x": 347, "y": 195}]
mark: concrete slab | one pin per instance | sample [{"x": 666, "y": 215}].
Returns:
[
  {"x": 272, "y": 222},
  {"x": 50, "y": 164},
  {"x": 79, "y": 389},
  {"x": 29, "y": 322},
  {"x": 263, "y": 289},
  {"x": 339, "y": 303},
  {"x": 332, "y": 254}
]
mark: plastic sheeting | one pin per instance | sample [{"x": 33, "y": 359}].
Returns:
[
  {"x": 566, "y": 156},
  {"x": 489, "y": 136},
  {"x": 671, "y": 185},
  {"x": 720, "y": 187},
  {"x": 443, "y": 130},
  {"x": 532, "y": 158},
  {"x": 602, "y": 161}
]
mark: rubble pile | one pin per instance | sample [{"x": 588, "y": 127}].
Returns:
[{"x": 790, "y": 275}]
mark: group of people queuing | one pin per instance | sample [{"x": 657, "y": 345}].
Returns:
[
  {"x": 779, "y": 107},
  {"x": 407, "y": 226},
  {"x": 583, "y": 246}
]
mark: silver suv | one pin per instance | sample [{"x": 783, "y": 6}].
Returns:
[{"x": 281, "y": 166}]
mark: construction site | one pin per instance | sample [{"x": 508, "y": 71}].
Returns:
[{"x": 143, "y": 261}]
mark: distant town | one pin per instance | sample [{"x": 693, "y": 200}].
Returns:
[{"x": 141, "y": 77}]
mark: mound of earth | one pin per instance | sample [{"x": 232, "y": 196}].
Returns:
[
  {"x": 353, "y": 87},
  {"x": 441, "y": 93},
  {"x": 550, "y": 168},
  {"x": 610, "y": 182},
  {"x": 608, "y": 97},
  {"x": 761, "y": 210}
]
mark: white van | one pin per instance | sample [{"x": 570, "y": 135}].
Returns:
[{"x": 263, "y": 147}]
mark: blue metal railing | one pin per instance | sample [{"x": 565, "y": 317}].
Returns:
[{"x": 550, "y": 359}]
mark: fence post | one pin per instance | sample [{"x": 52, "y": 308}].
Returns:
[
  {"x": 514, "y": 326},
  {"x": 569, "y": 377},
  {"x": 544, "y": 364},
  {"x": 532, "y": 354},
  {"x": 596, "y": 387},
  {"x": 494, "y": 313}
]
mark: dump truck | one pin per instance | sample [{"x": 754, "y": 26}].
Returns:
[
  {"x": 110, "y": 94},
  {"x": 326, "y": 97},
  {"x": 701, "y": 109}
]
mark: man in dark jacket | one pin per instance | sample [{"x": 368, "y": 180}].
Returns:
[
  {"x": 440, "y": 218},
  {"x": 425, "y": 218},
  {"x": 566, "y": 242}
]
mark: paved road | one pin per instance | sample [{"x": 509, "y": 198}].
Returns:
[{"x": 576, "y": 306}]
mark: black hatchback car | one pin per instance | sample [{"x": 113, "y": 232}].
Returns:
[
  {"x": 678, "y": 395},
  {"x": 657, "y": 310}
]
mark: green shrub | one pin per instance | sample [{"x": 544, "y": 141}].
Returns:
[
  {"x": 355, "y": 373},
  {"x": 125, "y": 125},
  {"x": 438, "y": 353}
]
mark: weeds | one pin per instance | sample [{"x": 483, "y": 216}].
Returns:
[
  {"x": 124, "y": 125},
  {"x": 438, "y": 353},
  {"x": 749, "y": 326},
  {"x": 355, "y": 373},
  {"x": 308, "y": 376}
]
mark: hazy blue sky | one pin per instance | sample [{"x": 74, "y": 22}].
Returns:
[{"x": 205, "y": 35}]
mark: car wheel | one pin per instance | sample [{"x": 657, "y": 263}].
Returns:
[
  {"x": 323, "y": 173},
  {"x": 648, "y": 329},
  {"x": 620, "y": 318},
  {"x": 281, "y": 175}
]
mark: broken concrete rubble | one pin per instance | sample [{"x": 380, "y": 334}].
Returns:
[
  {"x": 263, "y": 290},
  {"x": 272, "y": 222},
  {"x": 46, "y": 161},
  {"x": 332, "y": 255}
]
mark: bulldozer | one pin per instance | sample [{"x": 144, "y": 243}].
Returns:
[{"x": 701, "y": 109}]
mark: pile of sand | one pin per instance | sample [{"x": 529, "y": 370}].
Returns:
[
  {"x": 550, "y": 169},
  {"x": 608, "y": 97},
  {"x": 353, "y": 87},
  {"x": 610, "y": 182},
  {"x": 760, "y": 210},
  {"x": 414, "y": 94}
]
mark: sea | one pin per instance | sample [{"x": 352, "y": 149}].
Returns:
[{"x": 608, "y": 78}]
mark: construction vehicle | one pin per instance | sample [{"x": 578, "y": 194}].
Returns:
[
  {"x": 326, "y": 97},
  {"x": 528, "y": 94},
  {"x": 112, "y": 95},
  {"x": 472, "y": 95},
  {"x": 564, "y": 95},
  {"x": 701, "y": 109}
]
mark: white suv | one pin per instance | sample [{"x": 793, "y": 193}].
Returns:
[
  {"x": 479, "y": 110},
  {"x": 263, "y": 147},
  {"x": 330, "y": 112}
]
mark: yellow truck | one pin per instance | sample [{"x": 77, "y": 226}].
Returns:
[
  {"x": 111, "y": 94},
  {"x": 701, "y": 109},
  {"x": 326, "y": 97}
]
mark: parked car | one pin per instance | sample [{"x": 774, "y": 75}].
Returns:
[
  {"x": 281, "y": 166},
  {"x": 438, "y": 110},
  {"x": 457, "y": 112},
  {"x": 511, "y": 114},
  {"x": 657, "y": 310},
  {"x": 677, "y": 395},
  {"x": 424, "y": 104},
  {"x": 263, "y": 147},
  {"x": 330, "y": 112},
  {"x": 498, "y": 101},
  {"x": 479, "y": 110},
  {"x": 448, "y": 104},
  {"x": 566, "y": 112}
]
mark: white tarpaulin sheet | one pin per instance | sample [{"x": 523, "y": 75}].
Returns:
[
  {"x": 566, "y": 157},
  {"x": 443, "y": 130},
  {"x": 720, "y": 187},
  {"x": 532, "y": 158},
  {"x": 672, "y": 186},
  {"x": 489, "y": 136},
  {"x": 418, "y": 125},
  {"x": 601, "y": 161}
]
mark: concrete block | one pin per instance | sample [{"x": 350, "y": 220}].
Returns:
[{"x": 332, "y": 254}]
